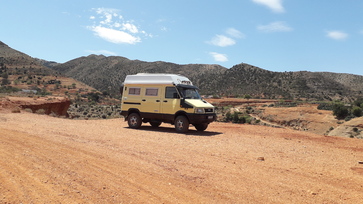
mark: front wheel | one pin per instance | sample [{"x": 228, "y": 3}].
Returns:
[
  {"x": 181, "y": 124},
  {"x": 201, "y": 127},
  {"x": 134, "y": 120}
]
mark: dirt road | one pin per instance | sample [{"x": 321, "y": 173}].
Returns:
[{"x": 52, "y": 160}]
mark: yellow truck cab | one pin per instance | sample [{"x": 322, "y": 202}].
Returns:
[{"x": 168, "y": 98}]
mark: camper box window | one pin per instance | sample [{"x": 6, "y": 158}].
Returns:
[
  {"x": 134, "y": 91},
  {"x": 151, "y": 92}
]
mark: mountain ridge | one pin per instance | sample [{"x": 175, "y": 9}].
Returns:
[{"x": 107, "y": 74}]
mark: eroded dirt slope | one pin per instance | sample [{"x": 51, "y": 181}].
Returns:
[{"x": 52, "y": 160}]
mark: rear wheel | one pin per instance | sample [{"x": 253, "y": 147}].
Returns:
[
  {"x": 201, "y": 127},
  {"x": 181, "y": 124},
  {"x": 134, "y": 120},
  {"x": 155, "y": 124}
]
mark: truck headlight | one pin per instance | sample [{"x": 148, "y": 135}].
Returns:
[{"x": 199, "y": 110}]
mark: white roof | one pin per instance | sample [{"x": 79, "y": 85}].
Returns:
[{"x": 146, "y": 78}]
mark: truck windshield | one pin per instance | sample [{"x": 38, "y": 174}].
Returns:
[{"x": 189, "y": 93}]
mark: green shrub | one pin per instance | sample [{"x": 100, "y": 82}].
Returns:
[
  {"x": 325, "y": 106},
  {"x": 358, "y": 102},
  {"x": 8, "y": 89},
  {"x": 228, "y": 116},
  {"x": 340, "y": 110},
  {"x": 357, "y": 111},
  {"x": 15, "y": 110},
  {"x": 235, "y": 117},
  {"x": 40, "y": 111},
  {"x": 28, "y": 110}
]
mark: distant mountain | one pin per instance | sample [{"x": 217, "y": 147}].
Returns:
[{"x": 107, "y": 74}]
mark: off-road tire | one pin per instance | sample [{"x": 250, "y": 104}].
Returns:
[
  {"x": 134, "y": 120},
  {"x": 181, "y": 124}
]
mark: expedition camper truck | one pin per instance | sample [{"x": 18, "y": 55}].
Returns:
[{"x": 168, "y": 98}]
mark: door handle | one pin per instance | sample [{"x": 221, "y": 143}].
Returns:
[
  {"x": 165, "y": 101},
  {"x": 157, "y": 100},
  {"x": 143, "y": 100}
]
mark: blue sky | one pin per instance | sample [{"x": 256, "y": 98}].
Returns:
[{"x": 277, "y": 35}]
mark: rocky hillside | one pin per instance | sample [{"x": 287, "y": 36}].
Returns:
[
  {"x": 23, "y": 75},
  {"x": 107, "y": 73},
  {"x": 13, "y": 58}
]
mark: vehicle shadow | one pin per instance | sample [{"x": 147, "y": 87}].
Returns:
[{"x": 191, "y": 132}]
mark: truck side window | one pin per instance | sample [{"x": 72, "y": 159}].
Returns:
[
  {"x": 171, "y": 92},
  {"x": 134, "y": 91},
  {"x": 151, "y": 92}
]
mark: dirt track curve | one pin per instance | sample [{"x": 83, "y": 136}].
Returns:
[{"x": 52, "y": 160}]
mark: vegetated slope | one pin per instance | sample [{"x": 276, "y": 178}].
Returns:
[
  {"x": 247, "y": 79},
  {"x": 107, "y": 73},
  {"x": 21, "y": 71}
]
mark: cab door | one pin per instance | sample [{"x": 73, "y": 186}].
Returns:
[{"x": 170, "y": 102}]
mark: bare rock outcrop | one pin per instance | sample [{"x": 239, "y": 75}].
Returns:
[
  {"x": 52, "y": 107},
  {"x": 48, "y": 105}
]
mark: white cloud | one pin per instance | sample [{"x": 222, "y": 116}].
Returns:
[
  {"x": 222, "y": 41},
  {"x": 235, "y": 33},
  {"x": 274, "y": 5},
  {"x": 278, "y": 26},
  {"x": 112, "y": 27},
  {"x": 114, "y": 36},
  {"x": 337, "y": 35},
  {"x": 130, "y": 27},
  {"x": 101, "y": 52},
  {"x": 219, "y": 57}
]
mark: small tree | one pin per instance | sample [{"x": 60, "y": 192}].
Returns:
[
  {"x": 235, "y": 118},
  {"x": 357, "y": 111},
  {"x": 5, "y": 81},
  {"x": 340, "y": 110},
  {"x": 5, "y": 75},
  {"x": 247, "y": 96},
  {"x": 358, "y": 102},
  {"x": 228, "y": 116}
]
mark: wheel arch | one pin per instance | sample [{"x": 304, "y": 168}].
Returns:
[
  {"x": 132, "y": 110},
  {"x": 181, "y": 113}
]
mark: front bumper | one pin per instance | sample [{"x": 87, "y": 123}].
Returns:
[{"x": 201, "y": 118}]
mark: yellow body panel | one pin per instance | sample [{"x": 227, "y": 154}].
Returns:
[{"x": 157, "y": 104}]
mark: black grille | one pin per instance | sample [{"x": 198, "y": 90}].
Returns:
[{"x": 209, "y": 110}]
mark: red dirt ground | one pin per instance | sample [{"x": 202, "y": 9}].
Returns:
[{"x": 45, "y": 159}]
